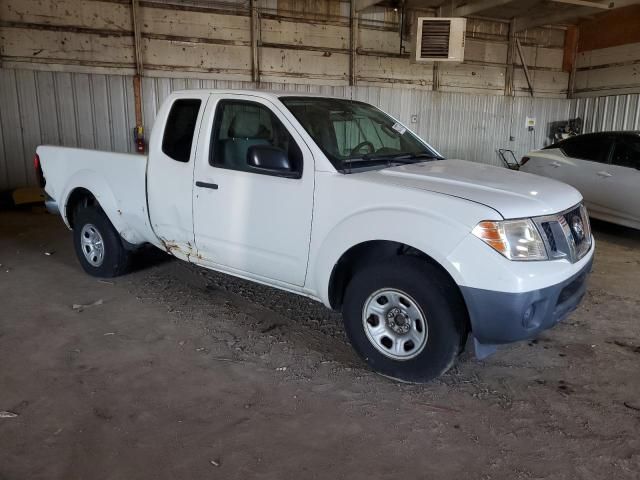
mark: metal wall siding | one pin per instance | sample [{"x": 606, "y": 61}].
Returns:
[
  {"x": 13, "y": 163},
  {"x": 458, "y": 125},
  {"x": 614, "y": 112},
  {"x": 57, "y": 108},
  {"x": 97, "y": 111}
]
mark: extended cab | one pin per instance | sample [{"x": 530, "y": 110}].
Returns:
[{"x": 335, "y": 200}]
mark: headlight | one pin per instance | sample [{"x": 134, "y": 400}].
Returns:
[{"x": 515, "y": 239}]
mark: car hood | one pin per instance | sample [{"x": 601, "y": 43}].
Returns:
[{"x": 513, "y": 194}]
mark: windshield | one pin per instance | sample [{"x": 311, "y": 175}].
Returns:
[{"x": 357, "y": 135}]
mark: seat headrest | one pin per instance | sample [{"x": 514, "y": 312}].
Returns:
[{"x": 247, "y": 125}]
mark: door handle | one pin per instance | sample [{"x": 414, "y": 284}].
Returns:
[
  {"x": 212, "y": 186},
  {"x": 604, "y": 174},
  {"x": 555, "y": 164}
]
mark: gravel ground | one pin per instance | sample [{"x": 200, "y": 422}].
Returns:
[{"x": 185, "y": 373}]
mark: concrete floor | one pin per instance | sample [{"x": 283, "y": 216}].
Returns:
[{"x": 184, "y": 373}]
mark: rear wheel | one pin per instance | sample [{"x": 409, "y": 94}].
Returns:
[
  {"x": 405, "y": 318},
  {"x": 97, "y": 243}
]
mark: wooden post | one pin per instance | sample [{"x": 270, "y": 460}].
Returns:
[
  {"x": 436, "y": 77},
  {"x": 137, "y": 82},
  {"x": 353, "y": 45},
  {"x": 255, "y": 42},
  {"x": 569, "y": 58},
  {"x": 508, "y": 76},
  {"x": 524, "y": 66}
]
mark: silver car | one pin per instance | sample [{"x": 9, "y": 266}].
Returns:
[{"x": 604, "y": 167}]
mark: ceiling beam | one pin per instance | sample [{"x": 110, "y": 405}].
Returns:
[
  {"x": 582, "y": 9},
  {"x": 473, "y": 8},
  {"x": 364, "y": 4},
  {"x": 524, "y": 23},
  {"x": 584, "y": 3}
]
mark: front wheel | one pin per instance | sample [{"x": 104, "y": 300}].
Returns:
[
  {"x": 97, "y": 243},
  {"x": 405, "y": 318}
]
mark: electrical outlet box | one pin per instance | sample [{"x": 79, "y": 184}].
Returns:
[{"x": 530, "y": 123}]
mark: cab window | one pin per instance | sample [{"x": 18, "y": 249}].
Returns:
[{"x": 240, "y": 125}]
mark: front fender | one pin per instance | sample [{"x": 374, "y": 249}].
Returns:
[{"x": 435, "y": 234}]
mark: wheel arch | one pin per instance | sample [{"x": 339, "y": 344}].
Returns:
[
  {"x": 88, "y": 186},
  {"x": 78, "y": 196},
  {"x": 364, "y": 253}
]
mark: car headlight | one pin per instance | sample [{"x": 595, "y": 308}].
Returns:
[{"x": 515, "y": 239}]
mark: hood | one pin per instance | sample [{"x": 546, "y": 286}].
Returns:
[{"x": 513, "y": 194}]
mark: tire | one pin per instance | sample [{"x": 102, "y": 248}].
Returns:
[
  {"x": 90, "y": 222},
  {"x": 421, "y": 294}
]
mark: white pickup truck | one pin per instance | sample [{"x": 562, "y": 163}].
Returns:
[{"x": 337, "y": 201}]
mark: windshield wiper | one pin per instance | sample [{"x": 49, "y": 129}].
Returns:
[
  {"x": 393, "y": 158},
  {"x": 415, "y": 156}
]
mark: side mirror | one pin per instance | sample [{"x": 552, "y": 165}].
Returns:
[{"x": 270, "y": 160}]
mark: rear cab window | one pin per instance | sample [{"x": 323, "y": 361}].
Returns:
[{"x": 180, "y": 128}]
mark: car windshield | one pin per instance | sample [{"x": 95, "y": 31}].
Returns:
[{"x": 356, "y": 135}]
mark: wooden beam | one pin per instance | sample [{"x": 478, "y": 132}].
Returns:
[
  {"x": 571, "y": 50},
  {"x": 582, "y": 9},
  {"x": 511, "y": 46},
  {"x": 610, "y": 29},
  {"x": 473, "y": 8},
  {"x": 524, "y": 65},
  {"x": 361, "y": 5},
  {"x": 137, "y": 41},
  {"x": 584, "y": 3},
  {"x": 255, "y": 42},
  {"x": 524, "y": 23},
  {"x": 353, "y": 44},
  {"x": 137, "y": 83},
  {"x": 435, "y": 85}
]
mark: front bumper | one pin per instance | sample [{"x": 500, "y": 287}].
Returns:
[{"x": 504, "y": 317}]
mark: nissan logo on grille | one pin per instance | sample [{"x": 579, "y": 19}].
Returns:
[{"x": 577, "y": 227}]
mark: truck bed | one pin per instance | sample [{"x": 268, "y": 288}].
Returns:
[{"x": 116, "y": 180}]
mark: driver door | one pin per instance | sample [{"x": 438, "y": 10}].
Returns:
[{"x": 254, "y": 223}]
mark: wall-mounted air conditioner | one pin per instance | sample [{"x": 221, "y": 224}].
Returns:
[{"x": 440, "y": 39}]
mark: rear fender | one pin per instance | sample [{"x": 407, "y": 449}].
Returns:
[{"x": 100, "y": 189}]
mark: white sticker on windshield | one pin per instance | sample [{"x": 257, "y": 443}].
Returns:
[{"x": 399, "y": 128}]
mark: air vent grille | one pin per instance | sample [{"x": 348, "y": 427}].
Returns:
[{"x": 435, "y": 39}]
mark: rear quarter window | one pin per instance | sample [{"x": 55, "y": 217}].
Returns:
[{"x": 180, "y": 128}]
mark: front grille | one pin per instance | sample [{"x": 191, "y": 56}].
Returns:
[
  {"x": 548, "y": 232},
  {"x": 567, "y": 234}
]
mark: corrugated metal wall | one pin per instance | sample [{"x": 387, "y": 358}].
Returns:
[
  {"x": 459, "y": 125},
  {"x": 97, "y": 111},
  {"x": 615, "y": 112},
  {"x": 72, "y": 109}
]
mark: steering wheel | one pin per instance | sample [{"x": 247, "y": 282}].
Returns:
[{"x": 359, "y": 147}]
